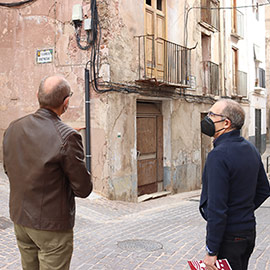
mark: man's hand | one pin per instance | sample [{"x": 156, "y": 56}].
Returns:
[{"x": 210, "y": 262}]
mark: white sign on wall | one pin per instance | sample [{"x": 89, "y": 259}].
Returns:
[
  {"x": 191, "y": 80},
  {"x": 44, "y": 56}
]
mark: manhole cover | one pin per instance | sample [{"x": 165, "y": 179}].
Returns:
[
  {"x": 139, "y": 245},
  {"x": 5, "y": 223}
]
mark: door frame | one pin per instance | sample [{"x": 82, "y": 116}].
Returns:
[{"x": 159, "y": 137}]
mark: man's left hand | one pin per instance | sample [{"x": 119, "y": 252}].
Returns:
[{"x": 210, "y": 262}]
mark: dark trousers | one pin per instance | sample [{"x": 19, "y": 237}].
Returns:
[{"x": 237, "y": 248}]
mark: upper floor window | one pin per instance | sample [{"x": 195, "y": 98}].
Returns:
[
  {"x": 237, "y": 20},
  {"x": 155, "y": 34},
  {"x": 156, "y": 4},
  {"x": 239, "y": 78},
  {"x": 159, "y": 5},
  {"x": 210, "y": 13}
]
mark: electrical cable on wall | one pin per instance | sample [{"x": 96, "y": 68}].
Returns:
[
  {"x": 16, "y": 4},
  {"x": 78, "y": 39},
  {"x": 77, "y": 18},
  {"x": 94, "y": 62}
]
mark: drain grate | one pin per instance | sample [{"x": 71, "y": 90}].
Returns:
[
  {"x": 5, "y": 223},
  {"x": 139, "y": 245}
]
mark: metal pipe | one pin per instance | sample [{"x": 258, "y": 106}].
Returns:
[{"x": 87, "y": 121}]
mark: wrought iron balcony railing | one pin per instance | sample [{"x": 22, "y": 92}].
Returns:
[{"x": 163, "y": 61}]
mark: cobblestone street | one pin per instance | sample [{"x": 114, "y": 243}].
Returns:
[{"x": 157, "y": 234}]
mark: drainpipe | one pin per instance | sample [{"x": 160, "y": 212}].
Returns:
[{"x": 87, "y": 120}]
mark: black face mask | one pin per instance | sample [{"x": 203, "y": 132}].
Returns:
[{"x": 208, "y": 126}]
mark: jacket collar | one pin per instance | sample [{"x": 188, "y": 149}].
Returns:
[
  {"x": 229, "y": 136},
  {"x": 47, "y": 113}
]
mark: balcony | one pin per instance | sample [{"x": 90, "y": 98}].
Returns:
[
  {"x": 210, "y": 13},
  {"x": 163, "y": 62},
  {"x": 260, "y": 82},
  {"x": 211, "y": 78}
]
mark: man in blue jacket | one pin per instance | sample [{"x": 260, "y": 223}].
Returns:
[{"x": 234, "y": 186}]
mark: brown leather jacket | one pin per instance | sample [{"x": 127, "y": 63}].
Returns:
[{"x": 43, "y": 158}]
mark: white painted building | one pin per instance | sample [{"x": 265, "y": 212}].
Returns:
[
  {"x": 255, "y": 39},
  {"x": 239, "y": 50}
]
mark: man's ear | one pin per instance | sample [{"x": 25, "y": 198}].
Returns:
[
  {"x": 227, "y": 123},
  {"x": 65, "y": 103}
]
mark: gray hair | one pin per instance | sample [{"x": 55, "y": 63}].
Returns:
[
  {"x": 54, "y": 96},
  {"x": 234, "y": 112}
]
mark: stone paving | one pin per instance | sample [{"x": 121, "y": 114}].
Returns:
[{"x": 158, "y": 234}]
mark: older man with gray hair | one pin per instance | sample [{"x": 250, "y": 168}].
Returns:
[
  {"x": 44, "y": 161},
  {"x": 234, "y": 186}
]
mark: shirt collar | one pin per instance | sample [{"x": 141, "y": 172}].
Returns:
[
  {"x": 47, "y": 112},
  {"x": 227, "y": 136}
]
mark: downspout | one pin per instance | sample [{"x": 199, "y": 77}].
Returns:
[{"x": 87, "y": 121}]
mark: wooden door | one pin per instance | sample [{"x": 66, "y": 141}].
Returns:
[
  {"x": 149, "y": 148},
  {"x": 155, "y": 45}
]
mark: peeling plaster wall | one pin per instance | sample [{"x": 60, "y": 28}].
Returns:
[
  {"x": 186, "y": 146},
  {"x": 182, "y": 145},
  {"x": 121, "y": 22},
  {"x": 99, "y": 143},
  {"x": 113, "y": 130},
  {"x": 41, "y": 25},
  {"x": 45, "y": 25},
  {"x": 113, "y": 115},
  {"x": 122, "y": 147},
  {"x": 115, "y": 166}
]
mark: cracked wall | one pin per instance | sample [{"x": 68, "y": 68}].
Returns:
[
  {"x": 41, "y": 25},
  {"x": 182, "y": 145},
  {"x": 47, "y": 25}
]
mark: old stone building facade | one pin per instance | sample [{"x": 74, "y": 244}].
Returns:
[{"x": 156, "y": 67}]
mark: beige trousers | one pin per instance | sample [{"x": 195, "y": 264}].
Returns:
[{"x": 44, "y": 250}]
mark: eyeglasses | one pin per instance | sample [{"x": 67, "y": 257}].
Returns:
[
  {"x": 69, "y": 95},
  {"x": 215, "y": 114}
]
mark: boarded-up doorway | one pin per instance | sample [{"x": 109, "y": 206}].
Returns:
[{"x": 149, "y": 147}]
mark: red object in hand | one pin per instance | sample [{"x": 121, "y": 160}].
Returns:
[{"x": 200, "y": 265}]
